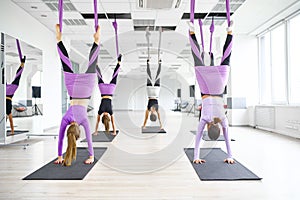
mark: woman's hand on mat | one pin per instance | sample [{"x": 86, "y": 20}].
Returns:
[
  {"x": 90, "y": 160},
  {"x": 59, "y": 160},
  {"x": 143, "y": 127},
  {"x": 229, "y": 160},
  {"x": 95, "y": 133},
  {"x": 114, "y": 133},
  {"x": 199, "y": 161}
]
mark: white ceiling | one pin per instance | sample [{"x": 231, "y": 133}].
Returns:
[
  {"x": 249, "y": 16},
  {"x": 33, "y": 54}
]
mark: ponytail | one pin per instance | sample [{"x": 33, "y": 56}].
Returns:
[
  {"x": 105, "y": 121},
  {"x": 73, "y": 134}
]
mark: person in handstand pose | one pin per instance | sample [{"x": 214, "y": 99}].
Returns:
[
  {"x": 153, "y": 89},
  {"x": 107, "y": 91},
  {"x": 212, "y": 81},
  {"x": 10, "y": 91},
  {"x": 80, "y": 88}
]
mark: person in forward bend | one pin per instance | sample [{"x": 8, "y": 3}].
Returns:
[
  {"x": 153, "y": 89},
  {"x": 107, "y": 91},
  {"x": 10, "y": 91},
  {"x": 212, "y": 81},
  {"x": 80, "y": 88}
]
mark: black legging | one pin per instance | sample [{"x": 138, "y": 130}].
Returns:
[
  {"x": 114, "y": 76},
  {"x": 91, "y": 68},
  {"x": 157, "y": 78}
]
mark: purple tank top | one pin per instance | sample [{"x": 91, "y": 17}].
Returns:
[
  {"x": 107, "y": 88},
  {"x": 212, "y": 79},
  {"x": 80, "y": 85}
]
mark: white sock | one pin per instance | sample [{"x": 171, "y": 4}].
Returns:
[
  {"x": 191, "y": 26},
  {"x": 229, "y": 29}
]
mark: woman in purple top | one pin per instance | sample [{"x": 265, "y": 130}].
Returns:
[
  {"x": 107, "y": 90},
  {"x": 212, "y": 81},
  {"x": 10, "y": 91},
  {"x": 80, "y": 88}
]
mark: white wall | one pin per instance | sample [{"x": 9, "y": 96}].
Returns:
[
  {"x": 131, "y": 94},
  {"x": 285, "y": 119},
  {"x": 16, "y": 22}
]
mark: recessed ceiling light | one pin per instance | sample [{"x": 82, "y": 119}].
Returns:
[
  {"x": 43, "y": 15},
  {"x": 34, "y": 7}
]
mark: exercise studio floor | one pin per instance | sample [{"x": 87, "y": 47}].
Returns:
[{"x": 154, "y": 166}]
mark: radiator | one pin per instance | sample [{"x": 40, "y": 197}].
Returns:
[{"x": 265, "y": 117}]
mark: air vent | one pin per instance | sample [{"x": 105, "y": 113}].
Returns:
[
  {"x": 143, "y": 57},
  {"x": 143, "y": 44},
  {"x": 53, "y": 5},
  {"x": 185, "y": 52},
  {"x": 74, "y": 22},
  {"x": 217, "y": 21},
  {"x": 233, "y": 1},
  {"x": 30, "y": 59},
  {"x": 103, "y": 52},
  {"x": 222, "y": 7},
  {"x": 91, "y": 44},
  {"x": 143, "y": 22},
  {"x": 151, "y": 28},
  {"x": 106, "y": 57},
  {"x": 12, "y": 54},
  {"x": 174, "y": 67},
  {"x": 183, "y": 57},
  {"x": 159, "y": 4}
]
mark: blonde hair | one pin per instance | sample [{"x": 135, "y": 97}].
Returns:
[
  {"x": 105, "y": 121},
  {"x": 73, "y": 133}
]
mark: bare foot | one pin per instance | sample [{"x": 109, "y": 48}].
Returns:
[
  {"x": 58, "y": 33},
  {"x": 89, "y": 161},
  {"x": 59, "y": 160},
  {"x": 199, "y": 161},
  {"x": 229, "y": 161},
  {"x": 97, "y": 36}
]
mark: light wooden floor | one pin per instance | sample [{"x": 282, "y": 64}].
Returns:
[{"x": 137, "y": 166}]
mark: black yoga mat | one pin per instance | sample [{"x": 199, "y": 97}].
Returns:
[
  {"x": 216, "y": 170},
  {"x": 102, "y": 137},
  {"x": 153, "y": 129},
  {"x": 206, "y": 138},
  {"x": 16, "y": 132},
  {"x": 77, "y": 171}
]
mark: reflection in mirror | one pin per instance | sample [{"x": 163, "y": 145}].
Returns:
[{"x": 23, "y": 88}]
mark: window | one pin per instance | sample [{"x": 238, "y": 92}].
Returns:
[
  {"x": 279, "y": 64},
  {"x": 265, "y": 73},
  {"x": 294, "y": 61}
]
